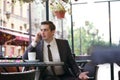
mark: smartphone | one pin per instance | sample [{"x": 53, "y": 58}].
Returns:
[{"x": 40, "y": 37}]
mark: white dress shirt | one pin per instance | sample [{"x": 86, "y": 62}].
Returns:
[{"x": 55, "y": 55}]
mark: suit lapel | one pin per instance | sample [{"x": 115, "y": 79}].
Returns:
[
  {"x": 60, "y": 49},
  {"x": 40, "y": 48}
]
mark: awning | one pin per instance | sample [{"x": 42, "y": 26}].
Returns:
[
  {"x": 5, "y": 37},
  {"x": 13, "y": 38}
]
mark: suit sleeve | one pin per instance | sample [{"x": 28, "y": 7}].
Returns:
[{"x": 71, "y": 62}]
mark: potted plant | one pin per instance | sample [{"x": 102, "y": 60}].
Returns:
[
  {"x": 58, "y": 8},
  {"x": 27, "y": 1}
]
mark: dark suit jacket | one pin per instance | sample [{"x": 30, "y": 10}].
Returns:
[{"x": 65, "y": 55}]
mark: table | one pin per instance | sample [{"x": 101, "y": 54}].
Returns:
[
  {"x": 8, "y": 58},
  {"x": 82, "y": 63},
  {"x": 31, "y": 64}
]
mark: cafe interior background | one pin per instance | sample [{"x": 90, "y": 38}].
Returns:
[{"x": 84, "y": 23}]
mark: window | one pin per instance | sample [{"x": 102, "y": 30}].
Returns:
[
  {"x": 92, "y": 25},
  {"x": 115, "y": 24}
]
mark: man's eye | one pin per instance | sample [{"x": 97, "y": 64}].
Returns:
[{"x": 46, "y": 30}]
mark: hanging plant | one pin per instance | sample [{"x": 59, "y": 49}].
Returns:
[
  {"x": 21, "y": 2},
  {"x": 58, "y": 8},
  {"x": 27, "y": 1},
  {"x": 59, "y": 14},
  {"x": 13, "y": 2}
]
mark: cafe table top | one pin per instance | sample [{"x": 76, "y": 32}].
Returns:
[
  {"x": 82, "y": 62},
  {"x": 30, "y": 64},
  {"x": 10, "y": 58}
]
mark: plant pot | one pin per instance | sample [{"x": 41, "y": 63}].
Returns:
[{"x": 59, "y": 14}]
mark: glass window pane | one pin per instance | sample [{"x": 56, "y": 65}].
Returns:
[
  {"x": 93, "y": 21},
  {"x": 115, "y": 24}
]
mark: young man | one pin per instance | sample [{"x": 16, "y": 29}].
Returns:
[{"x": 61, "y": 52}]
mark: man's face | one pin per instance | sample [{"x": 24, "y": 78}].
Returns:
[{"x": 46, "y": 33}]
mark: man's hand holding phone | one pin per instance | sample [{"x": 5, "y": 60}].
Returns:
[{"x": 38, "y": 37}]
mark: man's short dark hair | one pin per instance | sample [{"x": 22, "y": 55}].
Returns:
[{"x": 50, "y": 23}]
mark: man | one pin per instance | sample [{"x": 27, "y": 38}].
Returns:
[{"x": 60, "y": 52}]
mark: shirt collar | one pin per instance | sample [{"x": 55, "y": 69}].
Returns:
[{"x": 51, "y": 43}]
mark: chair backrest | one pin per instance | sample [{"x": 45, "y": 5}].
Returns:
[
  {"x": 105, "y": 55},
  {"x": 26, "y": 75},
  {"x": 101, "y": 55}
]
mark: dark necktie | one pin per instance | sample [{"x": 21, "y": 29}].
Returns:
[{"x": 50, "y": 58}]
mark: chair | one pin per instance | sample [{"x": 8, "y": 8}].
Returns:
[
  {"x": 26, "y": 75},
  {"x": 101, "y": 55},
  {"x": 82, "y": 61}
]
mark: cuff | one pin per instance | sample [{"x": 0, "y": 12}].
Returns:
[{"x": 34, "y": 43}]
